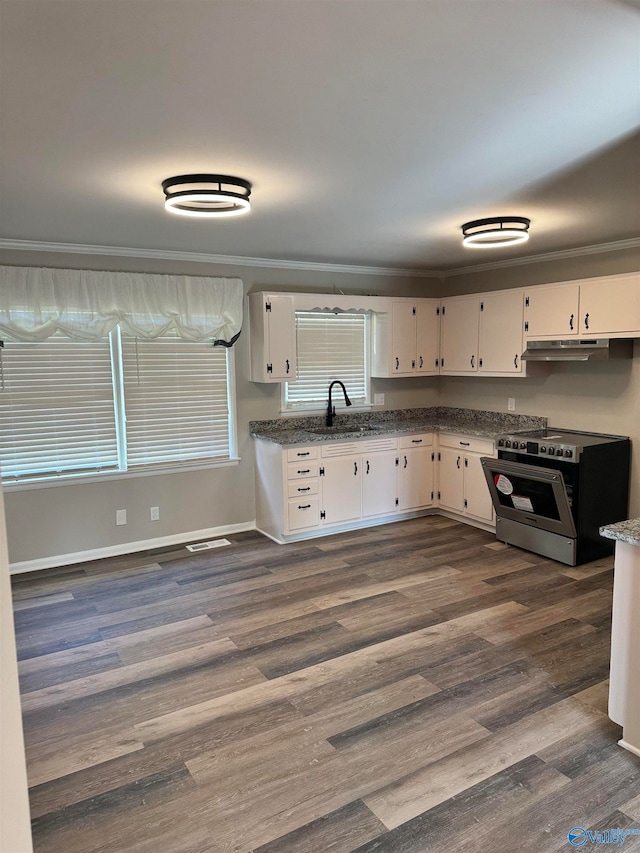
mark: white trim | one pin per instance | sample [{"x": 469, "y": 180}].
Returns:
[
  {"x": 127, "y": 548},
  {"x": 114, "y": 474},
  {"x": 273, "y": 263},
  {"x": 616, "y": 246},
  {"x": 202, "y": 257},
  {"x": 626, "y": 745}
]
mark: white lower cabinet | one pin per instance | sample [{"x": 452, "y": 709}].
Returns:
[
  {"x": 311, "y": 490},
  {"x": 415, "y": 472},
  {"x": 358, "y": 480},
  {"x": 462, "y": 487}
]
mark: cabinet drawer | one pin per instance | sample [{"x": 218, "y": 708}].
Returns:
[
  {"x": 422, "y": 440},
  {"x": 296, "y": 453},
  {"x": 298, "y": 489},
  {"x": 304, "y": 512},
  {"x": 466, "y": 443},
  {"x": 302, "y": 469}
]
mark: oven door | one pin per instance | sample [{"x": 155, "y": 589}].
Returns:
[{"x": 529, "y": 495}]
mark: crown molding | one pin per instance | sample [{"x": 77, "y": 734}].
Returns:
[
  {"x": 311, "y": 266},
  {"x": 200, "y": 257},
  {"x": 595, "y": 249}
]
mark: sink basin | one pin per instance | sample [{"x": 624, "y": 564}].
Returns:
[{"x": 339, "y": 429}]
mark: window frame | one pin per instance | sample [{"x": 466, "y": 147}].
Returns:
[
  {"x": 313, "y": 408},
  {"x": 50, "y": 480}
]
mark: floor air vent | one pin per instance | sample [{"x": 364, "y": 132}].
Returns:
[{"x": 206, "y": 546}]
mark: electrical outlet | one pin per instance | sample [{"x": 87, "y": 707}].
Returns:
[
  {"x": 378, "y": 399},
  {"x": 511, "y": 404},
  {"x": 121, "y": 516},
  {"x": 154, "y": 512}
]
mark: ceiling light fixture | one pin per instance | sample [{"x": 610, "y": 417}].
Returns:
[
  {"x": 495, "y": 231},
  {"x": 207, "y": 195}
]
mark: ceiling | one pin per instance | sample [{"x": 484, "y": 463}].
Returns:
[{"x": 370, "y": 129}]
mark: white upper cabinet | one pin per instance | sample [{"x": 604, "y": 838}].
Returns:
[
  {"x": 610, "y": 306},
  {"x": 405, "y": 340},
  {"x": 500, "y": 332},
  {"x": 459, "y": 334},
  {"x": 551, "y": 311},
  {"x": 273, "y": 337}
]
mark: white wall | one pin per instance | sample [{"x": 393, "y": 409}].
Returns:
[{"x": 15, "y": 828}]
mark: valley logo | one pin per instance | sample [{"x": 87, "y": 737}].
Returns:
[{"x": 578, "y": 836}]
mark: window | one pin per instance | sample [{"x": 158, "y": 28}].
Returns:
[
  {"x": 330, "y": 346},
  {"x": 117, "y": 404}
]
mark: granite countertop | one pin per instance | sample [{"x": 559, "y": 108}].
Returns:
[
  {"x": 623, "y": 531},
  {"x": 484, "y": 424}
]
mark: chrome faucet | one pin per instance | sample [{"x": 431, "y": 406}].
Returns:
[{"x": 331, "y": 410}]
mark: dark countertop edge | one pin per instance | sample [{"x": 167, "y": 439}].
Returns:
[{"x": 623, "y": 531}]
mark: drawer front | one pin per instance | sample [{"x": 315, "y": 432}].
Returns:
[
  {"x": 466, "y": 443},
  {"x": 294, "y": 454},
  {"x": 302, "y": 469},
  {"x": 345, "y": 448},
  {"x": 304, "y": 512},
  {"x": 375, "y": 444},
  {"x": 301, "y": 488},
  {"x": 424, "y": 439}
]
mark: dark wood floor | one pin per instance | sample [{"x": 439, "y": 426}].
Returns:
[{"x": 408, "y": 688}]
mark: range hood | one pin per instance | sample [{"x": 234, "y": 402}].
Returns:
[{"x": 599, "y": 349}]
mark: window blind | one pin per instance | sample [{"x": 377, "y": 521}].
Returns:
[
  {"x": 176, "y": 401},
  {"x": 330, "y": 346},
  {"x": 56, "y": 408}
]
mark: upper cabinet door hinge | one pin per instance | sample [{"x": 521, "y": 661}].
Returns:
[
  {"x": 322, "y": 472},
  {"x": 526, "y": 326},
  {"x": 526, "y": 302},
  {"x": 269, "y": 368},
  {"x": 439, "y": 457},
  {"x": 482, "y": 306},
  {"x": 413, "y": 311},
  {"x": 443, "y": 307},
  {"x": 397, "y": 460},
  {"x": 433, "y": 457},
  {"x": 323, "y": 514},
  {"x": 397, "y": 501},
  {"x": 267, "y": 306}
]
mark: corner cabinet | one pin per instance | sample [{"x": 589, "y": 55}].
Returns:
[
  {"x": 312, "y": 490},
  {"x": 406, "y": 339},
  {"x": 273, "y": 337}
]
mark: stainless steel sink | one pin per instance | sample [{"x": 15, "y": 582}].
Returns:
[{"x": 340, "y": 429}]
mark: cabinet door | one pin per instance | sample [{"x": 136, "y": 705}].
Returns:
[
  {"x": 427, "y": 337},
  {"x": 379, "y": 483},
  {"x": 404, "y": 338},
  {"x": 610, "y": 305},
  {"x": 281, "y": 326},
  {"x": 551, "y": 311},
  {"x": 477, "y": 497},
  {"x": 451, "y": 479},
  {"x": 459, "y": 335},
  {"x": 415, "y": 478},
  {"x": 342, "y": 489},
  {"x": 500, "y": 340}
]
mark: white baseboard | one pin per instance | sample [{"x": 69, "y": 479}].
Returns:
[
  {"x": 127, "y": 548},
  {"x": 629, "y": 747}
]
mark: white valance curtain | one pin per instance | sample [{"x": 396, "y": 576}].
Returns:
[{"x": 37, "y": 302}]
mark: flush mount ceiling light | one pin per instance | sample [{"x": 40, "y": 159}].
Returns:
[
  {"x": 207, "y": 195},
  {"x": 495, "y": 231}
]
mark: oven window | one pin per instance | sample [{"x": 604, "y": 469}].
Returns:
[{"x": 527, "y": 495}]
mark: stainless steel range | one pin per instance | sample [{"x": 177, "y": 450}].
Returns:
[{"x": 553, "y": 489}]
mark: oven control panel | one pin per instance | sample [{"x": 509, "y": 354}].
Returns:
[{"x": 526, "y": 447}]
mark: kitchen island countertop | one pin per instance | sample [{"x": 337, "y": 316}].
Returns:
[
  {"x": 484, "y": 424},
  {"x": 623, "y": 531}
]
